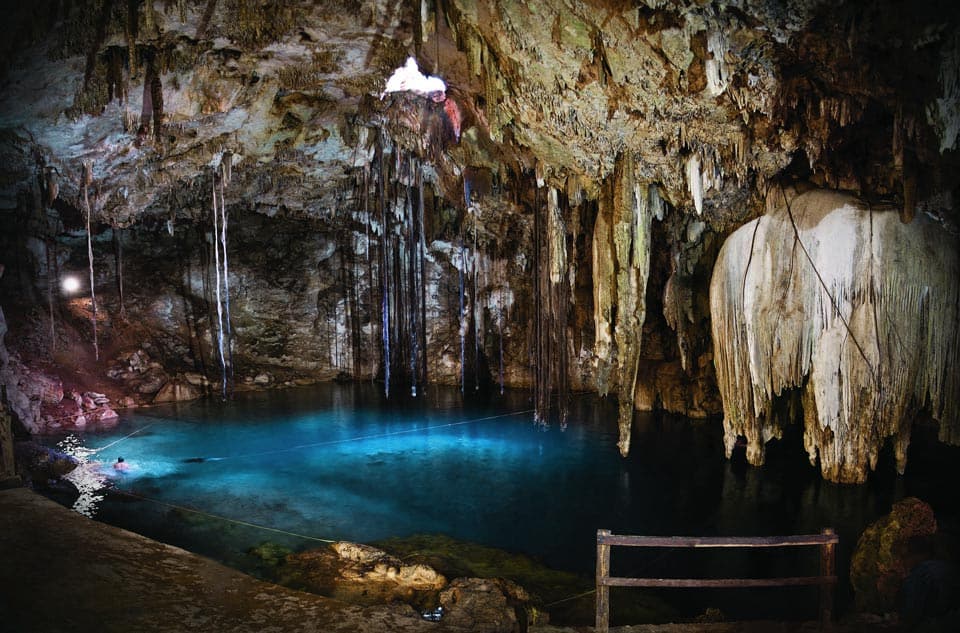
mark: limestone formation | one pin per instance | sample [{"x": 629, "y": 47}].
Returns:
[
  {"x": 837, "y": 300},
  {"x": 361, "y": 574},
  {"x": 499, "y": 231},
  {"x": 176, "y": 391}
]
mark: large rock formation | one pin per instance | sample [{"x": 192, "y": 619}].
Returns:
[
  {"x": 236, "y": 194},
  {"x": 883, "y": 557},
  {"x": 838, "y": 300}
]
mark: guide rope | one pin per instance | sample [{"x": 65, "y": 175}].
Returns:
[
  {"x": 357, "y": 439},
  {"x": 125, "y": 437},
  {"x": 223, "y": 518}
]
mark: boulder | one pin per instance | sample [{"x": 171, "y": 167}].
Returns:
[
  {"x": 104, "y": 417},
  {"x": 361, "y": 574},
  {"x": 196, "y": 379},
  {"x": 176, "y": 391},
  {"x": 51, "y": 387},
  {"x": 884, "y": 554},
  {"x": 39, "y": 464},
  {"x": 262, "y": 379},
  {"x": 152, "y": 382},
  {"x": 484, "y": 605}
]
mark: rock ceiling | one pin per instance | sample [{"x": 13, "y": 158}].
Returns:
[{"x": 711, "y": 97}]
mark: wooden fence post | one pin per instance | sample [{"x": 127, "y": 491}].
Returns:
[
  {"x": 603, "y": 591},
  {"x": 827, "y": 568}
]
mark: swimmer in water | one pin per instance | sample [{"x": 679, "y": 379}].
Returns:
[{"x": 121, "y": 465}]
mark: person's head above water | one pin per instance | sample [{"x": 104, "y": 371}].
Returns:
[{"x": 119, "y": 460}]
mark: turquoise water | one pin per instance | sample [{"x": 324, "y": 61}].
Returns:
[{"x": 336, "y": 462}]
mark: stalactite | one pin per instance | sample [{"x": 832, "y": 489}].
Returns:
[
  {"x": 87, "y": 181},
  {"x": 695, "y": 181},
  {"x": 208, "y": 10},
  {"x": 716, "y": 67},
  {"x": 558, "y": 302},
  {"x": 149, "y": 20},
  {"x": 156, "y": 93},
  {"x": 604, "y": 290},
  {"x": 851, "y": 307},
  {"x": 130, "y": 34},
  {"x": 146, "y": 110},
  {"x": 631, "y": 240}
]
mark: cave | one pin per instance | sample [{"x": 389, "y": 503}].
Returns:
[{"x": 498, "y": 273}]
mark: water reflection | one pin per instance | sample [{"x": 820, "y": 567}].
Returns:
[{"x": 88, "y": 477}]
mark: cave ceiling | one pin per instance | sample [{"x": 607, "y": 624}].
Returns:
[{"x": 713, "y": 100}]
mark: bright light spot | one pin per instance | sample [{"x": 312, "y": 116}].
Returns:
[
  {"x": 70, "y": 284},
  {"x": 408, "y": 78}
]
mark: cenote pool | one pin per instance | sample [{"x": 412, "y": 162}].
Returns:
[{"x": 338, "y": 462}]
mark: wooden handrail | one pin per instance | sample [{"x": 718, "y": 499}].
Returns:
[{"x": 827, "y": 541}]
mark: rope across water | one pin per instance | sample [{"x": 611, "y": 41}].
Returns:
[{"x": 357, "y": 438}]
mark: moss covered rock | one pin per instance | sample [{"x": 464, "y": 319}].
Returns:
[{"x": 883, "y": 556}]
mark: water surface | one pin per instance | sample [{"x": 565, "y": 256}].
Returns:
[{"x": 337, "y": 462}]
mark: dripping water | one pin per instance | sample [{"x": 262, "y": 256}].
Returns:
[
  {"x": 412, "y": 285},
  {"x": 118, "y": 254},
  {"x": 462, "y": 323},
  {"x": 226, "y": 165},
  {"x": 369, "y": 248},
  {"x": 422, "y": 247},
  {"x": 87, "y": 179},
  {"x": 476, "y": 306},
  {"x": 50, "y": 285},
  {"x": 384, "y": 272},
  {"x": 216, "y": 254},
  {"x": 500, "y": 332},
  {"x": 461, "y": 271}
]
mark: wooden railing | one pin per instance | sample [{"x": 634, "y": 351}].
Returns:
[{"x": 827, "y": 542}]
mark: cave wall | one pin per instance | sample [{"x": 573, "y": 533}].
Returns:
[{"x": 560, "y": 206}]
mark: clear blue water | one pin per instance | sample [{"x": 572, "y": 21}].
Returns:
[{"x": 337, "y": 462}]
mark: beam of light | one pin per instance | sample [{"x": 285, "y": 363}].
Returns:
[
  {"x": 408, "y": 78},
  {"x": 70, "y": 284}
]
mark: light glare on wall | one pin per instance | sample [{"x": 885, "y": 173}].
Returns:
[{"x": 70, "y": 284}]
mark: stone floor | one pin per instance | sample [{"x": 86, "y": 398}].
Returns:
[{"x": 61, "y": 572}]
